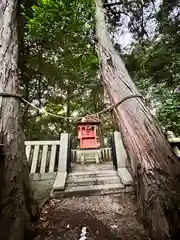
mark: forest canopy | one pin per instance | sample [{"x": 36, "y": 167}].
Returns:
[{"x": 60, "y": 70}]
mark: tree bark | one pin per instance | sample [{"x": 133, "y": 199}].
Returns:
[
  {"x": 154, "y": 166},
  {"x": 17, "y": 206}
]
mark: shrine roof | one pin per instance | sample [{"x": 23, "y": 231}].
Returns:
[{"x": 87, "y": 118}]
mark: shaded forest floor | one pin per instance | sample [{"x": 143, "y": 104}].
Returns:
[{"x": 104, "y": 217}]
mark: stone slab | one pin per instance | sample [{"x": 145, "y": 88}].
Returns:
[
  {"x": 121, "y": 154},
  {"x": 60, "y": 181},
  {"x": 91, "y": 167},
  {"x": 90, "y": 181},
  {"x": 98, "y": 173},
  {"x": 63, "y": 152},
  {"x": 91, "y": 178},
  {"x": 125, "y": 176},
  {"x": 42, "y": 176},
  {"x": 42, "y": 189},
  {"x": 95, "y": 188},
  {"x": 88, "y": 155},
  {"x": 90, "y": 190}
]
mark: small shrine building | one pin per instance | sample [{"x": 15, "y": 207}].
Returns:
[{"x": 88, "y": 129}]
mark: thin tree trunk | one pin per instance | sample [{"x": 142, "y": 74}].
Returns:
[
  {"x": 17, "y": 206},
  {"x": 68, "y": 104},
  {"x": 39, "y": 80},
  {"x": 96, "y": 95},
  {"x": 154, "y": 166}
]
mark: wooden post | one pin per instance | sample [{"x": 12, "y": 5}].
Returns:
[
  {"x": 60, "y": 180},
  {"x": 121, "y": 157}
]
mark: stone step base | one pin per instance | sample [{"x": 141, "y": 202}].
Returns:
[
  {"x": 92, "y": 167},
  {"x": 92, "y": 180},
  {"x": 91, "y": 190},
  {"x": 87, "y": 160},
  {"x": 96, "y": 174}
]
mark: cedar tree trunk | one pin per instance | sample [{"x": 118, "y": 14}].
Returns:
[
  {"x": 155, "y": 168},
  {"x": 17, "y": 206}
]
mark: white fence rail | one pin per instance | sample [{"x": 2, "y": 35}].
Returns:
[
  {"x": 42, "y": 155},
  {"x": 106, "y": 154},
  {"x": 174, "y": 142}
]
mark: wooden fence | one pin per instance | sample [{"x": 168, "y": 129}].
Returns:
[
  {"x": 43, "y": 156},
  {"x": 174, "y": 142},
  {"x": 106, "y": 154}
]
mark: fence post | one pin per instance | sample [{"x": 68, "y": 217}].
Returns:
[
  {"x": 120, "y": 150},
  {"x": 60, "y": 180},
  {"x": 121, "y": 157}
]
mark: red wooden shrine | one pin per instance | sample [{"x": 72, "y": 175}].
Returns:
[{"x": 87, "y": 132}]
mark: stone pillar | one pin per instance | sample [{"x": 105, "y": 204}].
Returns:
[
  {"x": 63, "y": 152},
  {"x": 120, "y": 150},
  {"x": 60, "y": 180},
  {"x": 122, "y": 161}
]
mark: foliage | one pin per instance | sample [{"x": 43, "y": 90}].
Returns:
[
  {"x": 154, "y": 64},
  {"x": 59, "y": 67}
]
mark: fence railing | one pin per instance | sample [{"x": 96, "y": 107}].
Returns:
[
  {"x": 174, "y": 142},
  {"x": 43, "y": 156},
  {"x": 106, "y": 154}
]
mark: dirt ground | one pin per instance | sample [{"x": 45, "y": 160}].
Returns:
[{"x": 90, "y": 218}]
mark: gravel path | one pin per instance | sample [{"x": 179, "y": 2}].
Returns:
[{"x": 87, "y": 218}]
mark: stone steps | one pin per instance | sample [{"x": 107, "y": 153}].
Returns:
[
  {"x": 93, "y": 173},
  {"x": 92, "y": 167},
  {"x": 92, "y": 180},
  {"x": 90, "y": 190},
  {"x": 96, "y": 181}
]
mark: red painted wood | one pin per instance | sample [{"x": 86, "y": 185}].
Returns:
[{"x": 88, "y": 136}]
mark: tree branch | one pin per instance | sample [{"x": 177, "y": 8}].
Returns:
[
  {"x": 27, "y": 105},
  {"x": 111, "y": 4}
]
